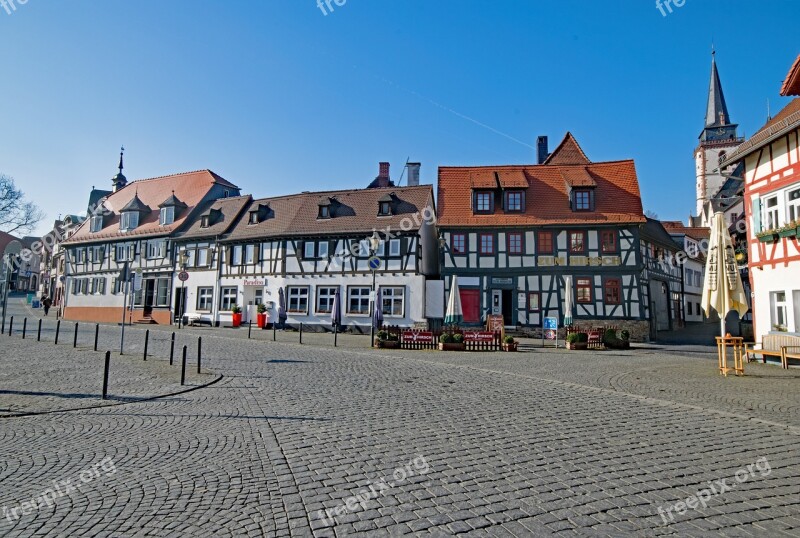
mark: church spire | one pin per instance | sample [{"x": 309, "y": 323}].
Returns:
[
  {"x": 718, "y": 124},
  {"x": 119, "y": 181}
]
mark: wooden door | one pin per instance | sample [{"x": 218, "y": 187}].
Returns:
[{"x": 471, "y": 305}]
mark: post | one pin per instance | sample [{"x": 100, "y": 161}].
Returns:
[
  {"x": 199, "y": 352},
  {"x": 24, "y": 327},
  {"x": 249, "y": 328},
  {"x": 183, "y": 367},
  {"x": 124, "y": 307},
  {"x": 273, "y": 332},
  {"x": 5, "y": 289},
  {"x": 10, "y": 325},
  {"x": 146, "y": 341},
  {"x": 105, "y": 374},
  {"x": 301, "y": 332},
  {"x": 335, "y": 333},
  {"x": 39, "y": 332},
  {"x": 58, "y": 329},
  {"x": 171, "y": 348},
  {"x": 372, "y": 313},
  {"x": 96, "y": 335},
  {"x": 75, "y": 338}
]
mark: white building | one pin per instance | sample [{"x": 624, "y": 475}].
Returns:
[{"x": 694, "y": 242}]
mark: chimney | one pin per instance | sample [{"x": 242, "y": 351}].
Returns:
[
  {"x": 383, "y": 171},
  {"x": 541, "y": 150},
  {"x": 413, "y": 174}
]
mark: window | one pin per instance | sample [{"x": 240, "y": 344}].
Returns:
[
  {"x": 124, "y": 253},
  {"x": 97, "y": 286},
  {"x": 205, "y": 297},
  {"x": 582, "y": 200},
  {"x": 98, "y": 254},
  {"x": 545, "y": 242},
  {"x": 514, "y": 243},
  {"x": 250, "y": 254},
  {"x": 771, "y": 213},
  {"x": 96, "y": 224},
  {"x": 486, "y": 244},
  {"x": 577, "y": 241},
  {"x": 201, "y": 257},
  {"x": 608, "y": 240},
  {"x": 364, "y": 248},
  {"x": 381, "y": 249},
  {"x": 393, "y": 301},
  {"x": 689, "y": 308},
  {"x": 310, "y": 251},
  {"x": 777, "y": 301},
  {"x": 156, "y": 249},
  {"x": 325, "y": 298},
  {"x": 358, "y": 300},
  {"x": 204, "y": 221},
  {"x": 324, "y": 212},
  {"x": 484, "y": 202},
  {"x": 128, "y": 220},
  {"x": 166, "y": 216},
  {"x": 533, "y": 302},
  {"x": 117, "y": 286},
  {"x": 793, "y": 205},
  {"x": 612, "y": 291},
  {"x": 228, "y": 296},
  {"x": 514, "y": 201},
  {"x": 236, "y": 255},
  {"x": 253, "y": 217},
  {"x": 583, "y": 290},
  {"x": 458, "y": 243},
  {"x": 384, "y": 209},
  {"x": 297, "y": 297},
  {"x": 322, "y": 250},
  {"x": 162, "y": 292},
  {"x": 394, "y": 247}
]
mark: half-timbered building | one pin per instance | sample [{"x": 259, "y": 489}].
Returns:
[
  {"x": 132, "y": 228},
  {"x": 662, "y": 278}
]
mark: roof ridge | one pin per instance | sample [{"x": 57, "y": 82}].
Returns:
[
  {"x": 542, "y": 166},
  {"x": 361, "y": 190}
]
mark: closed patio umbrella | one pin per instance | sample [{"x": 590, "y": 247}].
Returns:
[
  {"x": 722, "y": 288},
  {"x": 281, "y": 308},
  {"x": 377, "y": 315},
  {"x": 455, "y": 314},
  {"x": 336, "y": 311},
  {"x": 568, "y": 301}
]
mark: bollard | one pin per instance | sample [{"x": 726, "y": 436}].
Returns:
[
  {"x": 58, "y": 329},
  {"x": 39, "y": 331},
  {"x": 273, "y": 332},
  {"x": 249, "y": 328},
  {"x": 199, "y": 355},
  {"x": 105, "y": 374},
  {"x": 335, "y": 335},
  {"x": 301, "y": 332},
  {"x": 75, "y": 338},
  {"x": 24, "y": 327},
  {"x": 96, "y": 335},
  {"x": 146, "y": 341},
  {"x": 171, "y": 348},
  {"x": 183, "y": 366},
  {"x": 10, "y": 325}
]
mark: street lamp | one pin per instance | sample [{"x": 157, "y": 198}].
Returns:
[
  {"x": 374, "y": 243},
  {"x": 184, "y": 256}
]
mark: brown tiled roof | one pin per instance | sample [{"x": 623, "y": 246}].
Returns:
[
  {"x": 786, "y": 120},
  {"x": 230, "y": 210},
  {"x": 568, "y": 152},
  {"x": 617, "y": 196},
  {"x": 576, "y": 176},
  {"x": 791, "y": 85},
  {"x": 190, "y": 187},
  {"x": 355, "y": 212},
  {"x": 695, "y": 232}
]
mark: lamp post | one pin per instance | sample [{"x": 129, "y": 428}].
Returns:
[
  {"x": 184, "y": 262},
  {"x": 374, "y": 243}
]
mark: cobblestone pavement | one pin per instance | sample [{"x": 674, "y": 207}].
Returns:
[{"x": 532, "y": 444}]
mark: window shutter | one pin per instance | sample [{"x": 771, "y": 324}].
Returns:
[{"x": 756, "y": 201}]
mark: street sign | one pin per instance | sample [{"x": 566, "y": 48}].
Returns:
[
  {"x": 183, "y": 276},
  {"x": 551, "y": 323},
  {"x": 550, "y": 327},
  {"x": 374, "y": 263},
  {"x": 422, "y": 337}
]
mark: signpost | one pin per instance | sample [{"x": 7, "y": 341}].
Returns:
[
  {"x": 550, "y": 330},
  {"x": 495, "y": 323},
  {"x": 183, "y": 276}
]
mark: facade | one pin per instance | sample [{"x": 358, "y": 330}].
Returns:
[
  {"x": 132, "y": 229},
  {"x": 513, "y": 233},
  {"x": 771, "y": 160},
  {"x": 662, "y": 278},
  {"x": 693, "y": 242}
]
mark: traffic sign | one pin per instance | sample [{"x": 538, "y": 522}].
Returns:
[
  {"x": 374, "y": 262},
  {"x": 183, "y": 276}
]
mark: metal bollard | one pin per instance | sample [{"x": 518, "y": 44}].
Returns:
[
  {"x": 335, "y": 335},
  {"x": 105, "y": 374},
  {"x": 249, "y": 328},
  {"x": 39, "y": 331},
  {"x": 146, "y": 341},
  {"x": 199, "y": 352},
  {"x": 171, "y": 348},
  {"x": 58, "y": 329},
  {"x": 273, "y": 332},
  {"x": 75, "y": 338},
  {"x": 301, "y": 332},
  {"x": 96, "y": 335},
  {"x": 24, "y": 327},
  {"x": 10, "y": 325},
  {"x": 183, "y": 367}
]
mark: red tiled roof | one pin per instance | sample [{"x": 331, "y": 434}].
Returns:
[
  {"x": 786, "y": 120},
  {"x": 617, "y": 196},
  {"x": 578, "y": 177},
  {"x": 695, "y": 232},
  {"x": 568, "y": 152},
  {"x": 190, "y": 187},
  {"x": 791, "y": 85}
]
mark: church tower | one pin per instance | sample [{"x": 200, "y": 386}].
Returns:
[{"x": 719, "y": 137}]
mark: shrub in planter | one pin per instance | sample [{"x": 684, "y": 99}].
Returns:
[
  {"x": 625, "y": 335},
  {"x": 509, "y": 344},
  {"x": 452, "y": 342},
  {"x": 236, "y": 315},
  {"x": 611, "y": 341},
  {"x": 261, "y": 316},
  {"x": 386, "y": 339},
  {"x": 446, "y": 338},
  {"x": 458, "y": 338},
  {"x": 578, "y": 341}
]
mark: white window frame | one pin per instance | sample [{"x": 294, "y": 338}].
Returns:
[
  {"x": 309, "y": 250},
  {"x": 395, "y": 247},
  {"x": 329, "y": 294},
  {"x": 228, "y": 296},
  {"x": 156, "y": 249},
  {"x": 162, "y": 284},
  {"x": 298, "y": 293},
  {"x": 322, "y": 250},
  {"x": 205, "y": 298},
  {"x": 360, "y": 297},
  {"x": 236, "y": 255},
  {"x": 771, "y": 215},
  {"x": 250, "y": 254},
  {"x": 201, "y": 258},
  {"x": 793, "y": 205},
  {"x": 96, "y": 224},
  {"x": 778, "y": 309},
  {"x": 395, "y": 296},
  {"x": 166, "y": 216},
  {"x": 128, "y": 220}
]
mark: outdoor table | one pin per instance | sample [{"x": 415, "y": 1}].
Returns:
[{"x": 737, "y": 344}]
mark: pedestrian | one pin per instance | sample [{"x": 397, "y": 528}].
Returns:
[{"x": 46, "y": 303}]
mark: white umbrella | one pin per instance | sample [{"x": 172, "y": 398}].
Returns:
[
  {"x": 722, "y": 287},
  {"x": 568, "y": 302},
  {"x": 455, "y": 314}
]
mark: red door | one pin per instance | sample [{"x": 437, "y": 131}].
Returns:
[{"x": 471, "y": 305}]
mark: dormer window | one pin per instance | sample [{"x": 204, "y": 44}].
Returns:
[
  {"x": 167, "y": 216},
  {"x": 515, "y": 201},
  {"x": 96, "y": 224},
  {"x": 204, "y": 221},
  {"x": 128, "y": 221},
  {"x": 483, "y": 202},
  {"x": 170, "y": 209},
  {"x": 582, "y": 200},
  {"x": 253, "y": 217},
  {"x": 384, "y": 208},
  {"x": 324, "y": 212},
  {"x": 260, "y": 214}
]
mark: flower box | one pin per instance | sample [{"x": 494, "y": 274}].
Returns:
[
  {"x": 261, "y": 320},
  {"x": 768, "y": 238},
  {"x": 510, "y": 347},
  {"x": 787, "y": 233},
  {"x": 452, "y": 346},
  {"x": 578, "y": 345},
  {"x": 236, "y": 319},
  {"x": 388, "y": 344}
]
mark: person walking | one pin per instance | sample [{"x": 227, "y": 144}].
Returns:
[{"x": 46, "y": 303}]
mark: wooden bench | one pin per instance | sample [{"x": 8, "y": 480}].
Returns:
[
  {"x": 789, "y": 352},
  {"x": 194, "y": 318},
  {"x": 773, "y": 346}
]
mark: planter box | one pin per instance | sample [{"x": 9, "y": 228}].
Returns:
[
  {"x": 236, "y": 319},
  {"x": 769, "y": 238},
  {"x": 578, "y": 345},
  {"x": 787, "y": 233},
  {"x": 621, "y": 344},
  {"x": 388, "y": 344},
  {"x": 510, "y": 347},
  {"x": 261, "y": 320},
  {"x": 452, "y": 347}
]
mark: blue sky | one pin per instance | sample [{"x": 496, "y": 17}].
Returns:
[{"x": 278, "y": 97}]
